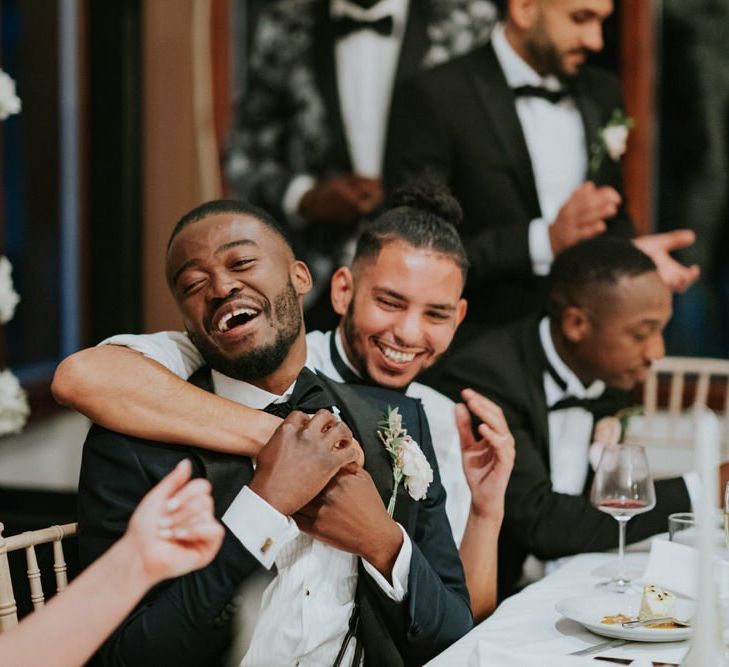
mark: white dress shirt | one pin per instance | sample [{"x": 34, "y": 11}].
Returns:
[
  {"x": 366, "y": 64},
  {"x": 306, "y": 608},
  {"x": 174, "y": 350},
  {"x": 555, "y": 139},
  {"x": 570, "y": 430}
]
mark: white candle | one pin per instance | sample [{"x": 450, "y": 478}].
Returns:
[{"x": 707, "y": 647}]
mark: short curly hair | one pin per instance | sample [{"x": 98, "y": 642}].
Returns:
[{"x": 582, "y": 269}]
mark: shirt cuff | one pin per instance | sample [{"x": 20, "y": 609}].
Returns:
[
  {"x": 259, "y": 527},
  {"x": 400, "y": 571},
  {"x": 540, "y": 249},
  {"x": 298, "y": 187},
  {"x": 692, "y": 480}
]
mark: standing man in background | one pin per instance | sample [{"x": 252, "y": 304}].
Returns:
[
  {"x": 515, "y": 128},
  {"x": 310, "y": 136}
]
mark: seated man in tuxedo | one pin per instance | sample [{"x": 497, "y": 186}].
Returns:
[
  {"x": 553, "y": 376},
  {"x": 390, "y": 330},
  {"x": 349, "y": 569}
]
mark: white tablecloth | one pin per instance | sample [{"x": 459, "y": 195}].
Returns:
[{"x": 528, "y": 622}]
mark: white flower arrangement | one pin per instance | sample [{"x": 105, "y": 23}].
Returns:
[
  {"x": 8, "y": 296},
  {"x": 9, "y": 101},
  {"x": 408, "y": 460},
  {"x": 14, "y": 408},
  {"x": 612, "y": 140}
]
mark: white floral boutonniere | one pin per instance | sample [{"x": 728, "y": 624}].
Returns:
[
  {"x": 408, "y": 460},
  {"x": 612, "y": 140}
]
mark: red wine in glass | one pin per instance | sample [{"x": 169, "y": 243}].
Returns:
[
  {"x": 623, "y": 507},
  {"x": 622, "y": 487}
]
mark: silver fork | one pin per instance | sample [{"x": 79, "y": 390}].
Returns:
[{"x": 655, "y": 621}]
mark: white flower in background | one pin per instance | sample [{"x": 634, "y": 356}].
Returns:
[
  {"x": 8, "y": 296},
  {"x": 14, "y": 409},
  {"x": 9, "y": 101},
  {"x": 615, "y": 138}
]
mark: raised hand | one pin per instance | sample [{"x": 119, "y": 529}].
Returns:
[
  {"x": 173, "y": 527},
  {"x": 583, "y": 215},
  {"x": 301, "y": 457},
  {"x": 350, "y": 515},
  {"x": 488, "y": 460},
  {"x": 341, "y": 200},
  {"x": 675, "y": 275}
]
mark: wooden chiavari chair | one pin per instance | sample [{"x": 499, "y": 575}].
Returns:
[
  {"x": 674, "y": 389},
  {"x": 28, "y": 541}
]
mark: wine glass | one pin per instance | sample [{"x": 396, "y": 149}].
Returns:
[{"x": 622, "y": 487}]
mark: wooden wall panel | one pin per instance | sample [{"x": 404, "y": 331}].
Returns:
[
  {"x": 638, "y": 75},
  {"x": 181, "y": 164}
]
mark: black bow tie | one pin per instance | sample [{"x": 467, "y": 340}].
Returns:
[
  {"x": 553, "y": 96},
  {"x": 309, "y": 395},
  {"x": 599, "y": 407},
  {"x": 345, "y": 25}
]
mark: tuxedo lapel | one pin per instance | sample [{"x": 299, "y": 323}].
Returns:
[
  {"x": 227, "y": 474},
  {"x": 590, "y": 114},
  {"x": 499, "y": 108},
  {"x": 534, "y": 362},
  {"x": 415, "y": 41},
  {"x": 363, "y": 417},
  {"x": 325, "y": 71}
]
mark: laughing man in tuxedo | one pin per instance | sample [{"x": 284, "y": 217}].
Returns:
[
  {"x": 390, "y": 330},
  {"x": 240, "y": 293},
  {"x": 555, "y": 376},
  {"x": 511, "y": 126},
  {"x": 310, "y": 135}
]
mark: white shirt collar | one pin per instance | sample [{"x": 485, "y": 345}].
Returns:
[
  {"x": 398, "y": 9},
  {"x": 340, "y": 349},
  {"x": 244, "y": 392},
  {"x": 248, "y": 394},
  {"x": 574, "y": 386},
  {"x": 516, "y": 70}
]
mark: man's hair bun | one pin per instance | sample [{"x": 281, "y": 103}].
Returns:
[{"x": 430, "y": 194}]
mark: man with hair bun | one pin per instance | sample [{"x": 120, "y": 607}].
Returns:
[
  {"x": 400, "y": 305},
  {"x": 607, "y": 308}
]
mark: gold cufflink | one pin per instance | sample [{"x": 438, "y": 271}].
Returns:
[{"x": 266, "y": 545}]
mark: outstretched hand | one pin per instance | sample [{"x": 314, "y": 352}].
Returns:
[
  {"x": 658, "y": 246},
  {"x": 488, "y": 460},
  {"x": 173, "y": 528}
]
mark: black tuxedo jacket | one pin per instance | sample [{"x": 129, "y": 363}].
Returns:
[
  {"x": 290, "y": 120},
  {"x": 186, "y": 621},
  {"x": 460, "y": 120},
  {"x": 508, "y": 365}
]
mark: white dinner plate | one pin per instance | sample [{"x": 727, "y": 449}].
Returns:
[{"x": 590, "y": 610}]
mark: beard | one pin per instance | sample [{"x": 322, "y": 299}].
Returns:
[
  {"x": 545, "y": 56},
  {"x": 264, "y": 360},
  {"x": 350, "y": 339}
]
